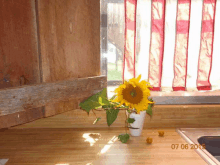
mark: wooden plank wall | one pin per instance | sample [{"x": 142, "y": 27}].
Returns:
[
  {"x": 48, "y": 41},
  {"x": 70, "y": 42},
  {"x": 19, "y": 60},
  {"x": 18, "y": 42}
]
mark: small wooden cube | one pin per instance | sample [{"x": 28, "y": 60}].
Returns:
[
  {"x": 149, "y": 140},
  {"x": 161, "y": 133}
]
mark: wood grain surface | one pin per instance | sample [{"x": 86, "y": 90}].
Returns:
[
  {"x": 22, "y": 117},
  {"x": 69, "y": 146},
  {"x": 32, "y": 96},
  {"x": 19, "y": 60},
  {"x": 164, "y": 116}
]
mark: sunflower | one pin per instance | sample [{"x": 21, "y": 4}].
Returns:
[{"x": 134, "y": 94}]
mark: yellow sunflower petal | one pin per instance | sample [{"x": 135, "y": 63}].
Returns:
[
  {"x": 125, "y": 83},
  {"x": 138, "y": 78},
  {"x": 116, "y": 100},
  {"x": 123, "y": 86},
  {"x": 151, "y": 102},
  {"x": 143, "y": 83},
  {"x": 138, "y": 111},
  {"x": 116, "y": 90},
  {"x": 131, "y": 80},
  {"x": 133, "y": 84},
  {"x": 120, "y": 104}
]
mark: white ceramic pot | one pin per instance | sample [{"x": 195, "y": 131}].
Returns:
[{"x": 138, "y": 123}]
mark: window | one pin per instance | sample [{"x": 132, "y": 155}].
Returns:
[{"x": 112, "y": 51}]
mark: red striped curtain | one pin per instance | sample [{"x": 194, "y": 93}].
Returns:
[{"x": 179, "y": 44}]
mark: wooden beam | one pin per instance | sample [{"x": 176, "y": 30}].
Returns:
[{"x": 22, "y": 98}]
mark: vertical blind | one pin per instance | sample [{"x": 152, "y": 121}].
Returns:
[{"x": 179, "y": 44}]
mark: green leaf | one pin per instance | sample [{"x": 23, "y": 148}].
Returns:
[
  {"x": 150, "y": 99},
  {"x": 106, "y": 106},
  {"x": 113, "y": 97},
  {"x": 94, "y": 101},
  {"x": 152, "y": 105},
  {"x": 149, "y": 109},
  {"x": 89, "y": 104},
  {"x": 97, "y": 119},
  {"x": 115, "y": 103},
  {"x": 123, "y": 137},
  {"x": 130, "y": 120},
  {"x": 103, "y": 100},
  {"x": 111, "y": 115},
  {"x": 122, "y": 106}
]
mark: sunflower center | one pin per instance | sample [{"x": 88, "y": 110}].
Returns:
[{"x": 133, "y": 95}]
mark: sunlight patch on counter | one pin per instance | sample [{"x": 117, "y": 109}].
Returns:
[
  {"x": 108, "y": 145},
  {"x": 92, "y": 138}
]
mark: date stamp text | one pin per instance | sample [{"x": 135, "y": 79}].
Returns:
[{"x": 187, "y": 146}]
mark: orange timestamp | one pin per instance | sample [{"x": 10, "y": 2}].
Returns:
[{"x": 187, "y": 146}]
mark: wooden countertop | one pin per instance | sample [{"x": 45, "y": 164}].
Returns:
[{"x": 92, "y": 146}]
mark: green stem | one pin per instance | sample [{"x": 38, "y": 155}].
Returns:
[
  {"x": 94, "y": 113},
  {"x": 125, "y": 123}
]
